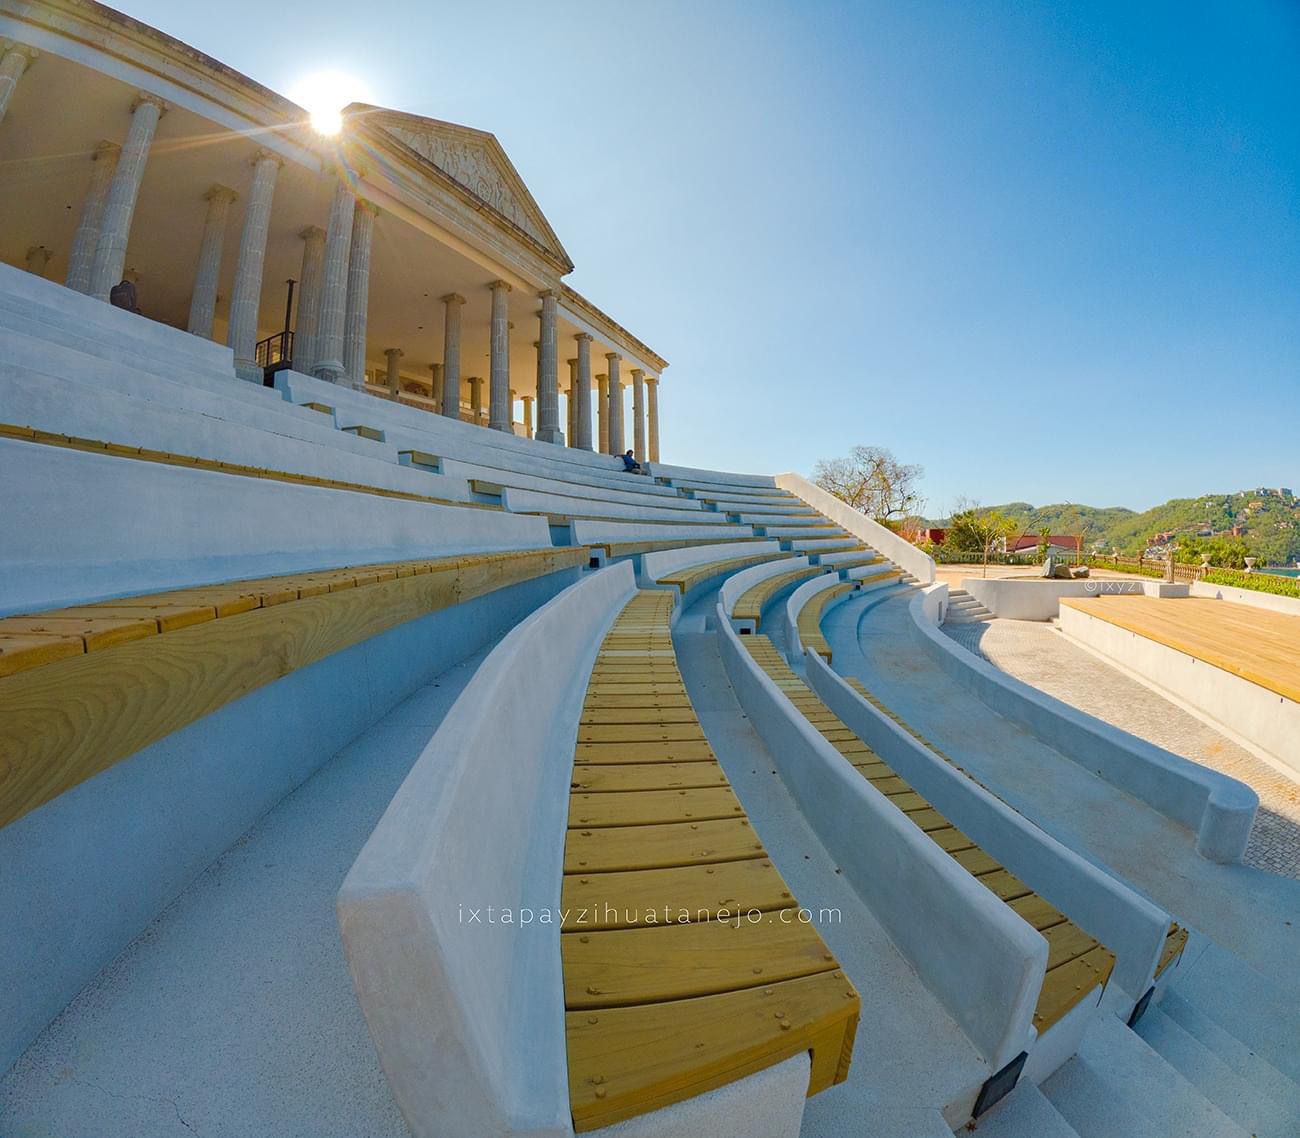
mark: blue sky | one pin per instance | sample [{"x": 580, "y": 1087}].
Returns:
[{"x": 1050, "y": 252}]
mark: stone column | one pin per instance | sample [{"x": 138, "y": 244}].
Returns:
[
  {"x": 38, "y": 260},
  {"x": 119, "y": 206},
  {"x": 358, "y": 298},
  {"x": 435, "y": 387},
  {"x": 203, "y": 301},
  {"x": 652, "y": 392},
  {"x": 476, "y": 399},
  {"x": 602, "y": 411},
  {"x": 82, "y": 258},
  {"x": 246, "y": 297},
  {"x": 451, "y": 355},
  {"x": 394, "y": 379},
  {"x": 499, "y": 366},
  {"x": 309, "y": 282},
  {"x": 333, "y": 307},
  {"x": 14, "y": 59},
  {"x": 638, "y": 413},
  {"x": 582, "y": 424},
  {"x": 573, "y": 401},
  {"x": 528, "y": 416},
  {"x": 615, "y": 404},
  {"x": 548, "y": 397}
]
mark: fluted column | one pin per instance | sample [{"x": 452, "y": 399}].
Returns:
[
  {"x": 333, "y": 307},
  {"x": 548, "y": 396},
  {"x": 14, "y": 59},
  {"x": 602, "y": 411},
  {"x": 207, "y": 277},
  {"x": 499, "y": 364},
  {"x": 476, "y": 399},
  {"x": 528, "y": 416},
  {"x": 38, "y": 260},
  {"x": 246, "y": 297},
  {"x": 393, "y": 378},
  {"x": 358, "y": 301},
  {"x": 82, "y": 259},
  {"x": 573, "y": 401},
  {"x": 309, "y": 283},
  {"x": 582, "y": 424},
  {"x": 451, "y": 355},
  {"x": 638, "y": 413},
  {"x": 435, "y": 386},
  {"x": 652, "y": 385},
  {"x": 119, "y": 206},
  {"x": 615, "y": 404}
]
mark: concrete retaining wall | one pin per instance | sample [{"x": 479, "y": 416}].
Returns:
[
  {"x": 1219, "y": 810},
  {"x": 738, "y": 583},
  {"x": 983, "y": 963},
  {"x": 1270, "y": 601},
  {"x": 794, "y": 606},
  {"x": 1039, "y": 599}
]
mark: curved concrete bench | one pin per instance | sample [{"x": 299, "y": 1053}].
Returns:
[
  {"x": 547, "y": 1026},
  {"x": 691, "y": 570},
  {"x": 823, "y": 592},
  {"x": 821, "y": 531},
  {"x": 980, "y": 959},
  {"x": 816, "y": 546},
  {"x": 538, "y": 502},
  {"x": 711, "y": 477},
  {"x": 492, "y": 479},
  {"x": 1219, "y": 810},
  {"x": 745, "y": 595},
  {"x": 851, "y": 560},
  {"x": 603, "y": 533}
]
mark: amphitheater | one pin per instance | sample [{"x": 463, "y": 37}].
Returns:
[{"x": 379, "y": 757}]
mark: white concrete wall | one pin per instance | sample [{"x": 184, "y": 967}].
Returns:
[
  {"x": 1039, "y": 599},
  {"x": 595, "y": 532},
  {"x": 695, "y": 474},
  {"x": 1217, "y": 809},
  {"x": 982, "y": 962},
  {"x": 592, "y": 485},
  {"x": 738, "y": 583},
  {"x": 665, "y": 561},
  {"x": 468, "y": 1018},
  {"x": 1247, "y": 710},
  {"x": 901, "y": 552},
  {"x": 85, "y": 526},
  {"x": 534, "y": 501},
  {"x": 1271, "y": 601},
  {"x": 794, "y": 606},
  {"x": 1126, "y": 923}
]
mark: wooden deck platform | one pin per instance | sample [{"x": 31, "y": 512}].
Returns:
[{"x": 1254, "y": 643}]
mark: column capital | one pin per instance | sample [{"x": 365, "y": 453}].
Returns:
[
  {"x": 638, "y": 373},
  {"x": 104, "y": 148},
  {"x": 548, "y": 294},
  {"x": 652, "y": 379},
  {"x": 10, "y": 47},
  {"x": 500, "y": 285},
  {"x": 612, "y": 356},
  {"x": 263, "y": 153},
  {"x": 369, "y": 206},
  {"x": 396, "y": 353},
  {"x": 142, "y": 97},
  {"x": 573, "y": 362},
  {"x": 583, "y": 336},
  {"x": 219, "y": 193},
  {"x": 311, "y": 232},
  {"x": 452, "y": 298},
  {"x": 602, "y": 378}
]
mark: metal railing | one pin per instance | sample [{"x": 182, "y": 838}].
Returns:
[{"x": 275, "y": 352}]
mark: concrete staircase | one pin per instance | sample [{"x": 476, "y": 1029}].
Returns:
[
  {"x": 1216, "y": 1056},
  {"x": 964, "y": 609}
]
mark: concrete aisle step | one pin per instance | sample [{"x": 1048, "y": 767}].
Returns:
[
  {"x": 1263, "y": 1014},
  {"x": 1230, "y": 1091},
  {"x": 1121, "y": 1072},
  {"x": 1025, "y": 1113},
  {"x": 1266, "y": 1080}
]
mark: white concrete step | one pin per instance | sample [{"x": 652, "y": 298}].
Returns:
[
  {"x": 1262, "y": 1013},
  {"x": 1025, "y": 1113},
  {"x": 1230, "y": 1091},
  {"x": 1266, "y": 1080},
  {"x": 1118, "y": 1085}
]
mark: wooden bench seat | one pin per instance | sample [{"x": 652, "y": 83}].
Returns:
[
  {"x": 810, "y": 618},
  {"x": 750, "y": 604},
  {"x": 687, "y": 579},
  {"x": 668, "y": 992},
  {"x": 83, "y": 687},
  {"x": 1077, "y": 963}
]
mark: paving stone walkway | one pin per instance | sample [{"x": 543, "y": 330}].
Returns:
[{"x": 1039, "y": 654}]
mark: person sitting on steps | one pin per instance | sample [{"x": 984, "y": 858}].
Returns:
[{"x": 631, "y": 465}]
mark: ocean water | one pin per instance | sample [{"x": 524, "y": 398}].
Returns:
[{"x": 1279, "y": 572}]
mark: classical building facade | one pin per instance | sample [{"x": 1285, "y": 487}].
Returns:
[{"x": 403, "y": 256}]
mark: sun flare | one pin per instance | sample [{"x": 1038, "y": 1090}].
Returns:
[{"x": 324, "y": 94}]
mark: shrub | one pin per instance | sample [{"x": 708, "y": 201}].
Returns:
[{"x": 1260, "y": 582}]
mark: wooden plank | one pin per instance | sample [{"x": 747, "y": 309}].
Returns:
[
  {"x": 636, "y": 716},
  {"x": 975, "y": 861},
  {"x": 1070, "y": 984},
  {"x": 657, "y": 896},
  {"x": 168, "y": 616},
  {"x": 1037, "y": 912},
  {"x": 1065, "y": 942},
  {"x": 617, "y": 778},
  {"x": 95, "y": 632},
  {"x": 634, "y": 732},
  {"x": 628, "y": 1061},
  {"x": 604, "y": 849},
  {"x": 660, "y": 696},
  {"x": 20, "y": 651},
  {"x": 645, "y": 751},
  {"x": 650, "y": 807},
  {"x": 622, "y": 967}
]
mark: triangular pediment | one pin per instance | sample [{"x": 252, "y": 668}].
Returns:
[{"x": 476, "y": 162}]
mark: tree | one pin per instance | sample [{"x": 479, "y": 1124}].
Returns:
[
  {"x": 974, "y": 529},
  {"x": 872, "y": 481}
]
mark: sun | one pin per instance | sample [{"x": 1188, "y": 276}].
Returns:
[{"x": 324, "y": 94}]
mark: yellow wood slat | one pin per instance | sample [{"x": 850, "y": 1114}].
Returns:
[
  {"x": 604, "y": 849},
  {"x": 663, "y": 697},
  {"x": 653, "y": 897},
  {"x": 1037, "y": 912},
  {"x": 1065, "y": 942},
  {"x": 628, "y": 1061},
  {"x": 645, "y": 751},
  {"x": 633, "y": 732},
  {"x": 619, "y": 778},
  {"x": 976, "y": 861},
  {"x": 167, "y": 616},
  {"x": 635, "y": 716},
  {"x": 95, "y": 633},
  {"x": 20, "y": 651},
  {"x": 1070, "y": 984},
  {"x": 1175, "y": 942},
  {"x": 648, "y": 807},
  {"x": 622, "y": 967},
  {"x": 1005, "y": 885}
]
